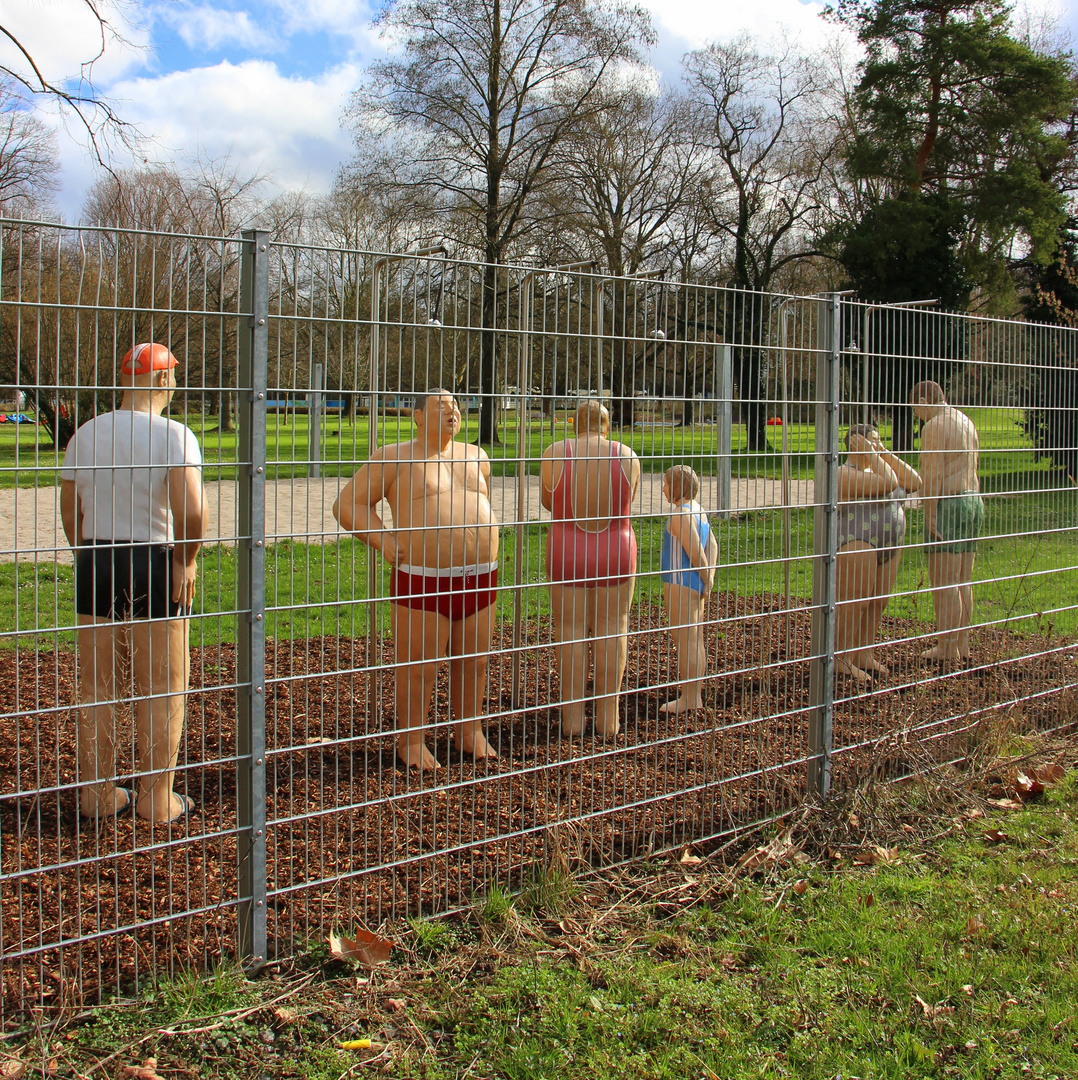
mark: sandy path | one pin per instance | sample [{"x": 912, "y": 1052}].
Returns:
[{"x": 303, "y": 510}]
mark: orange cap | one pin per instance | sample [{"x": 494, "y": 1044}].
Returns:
[{"x": 147, "y": 357}]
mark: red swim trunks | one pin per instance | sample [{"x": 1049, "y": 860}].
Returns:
[{"x": 456, "y": 596}]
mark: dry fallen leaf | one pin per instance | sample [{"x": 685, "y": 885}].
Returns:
[
  {"x": 801, "y": 886},
  {"x": 146, "y": 1071},
  {"x": 12, "y": 1069},
  {"x": 868, "y": 900},
  {"x": 365, "y": 948},
  {"x": 1050, "y": 774},
  {"x": 974, "y": 925},
  {"x": 933, "y": 1012},
  {"x": 1026, "y": 787},
  {"x": 995, "y": 836},
  {"x": 1006, "y": 804},
  {"x": 284, "y": 1016},
  {"x": 967, "y": 989},
  {"x": 780, "y": 849},
  {"x": 865, "y": 858},
  {"x": 689, "y": 859},
  {"x": 1005, "y": 1004},
  {"x": 396, "y": 1004}
]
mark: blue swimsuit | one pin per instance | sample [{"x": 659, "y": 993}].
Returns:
[{"x": 674, "y": 561}]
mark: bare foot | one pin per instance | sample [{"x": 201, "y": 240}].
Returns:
[
  {"x": 846, "y": 668},
  {"x": 681, "y": 705},
  {"x": 471, "y": 740},
  {"x": 571, "y": 726},
  {"x": 607, "y": 728},
  {"x": 935, "y": 654},
  {"x": 416, "y": 755}
]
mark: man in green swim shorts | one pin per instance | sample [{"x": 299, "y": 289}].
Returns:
[{"x": 954, "y": 515}]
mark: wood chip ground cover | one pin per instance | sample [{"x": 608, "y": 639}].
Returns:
[{"x": 352, "y": 839}]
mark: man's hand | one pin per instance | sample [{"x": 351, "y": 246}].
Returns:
[
  {"x": 390, "y": 549},
  {"x": 184, "y": 576}
]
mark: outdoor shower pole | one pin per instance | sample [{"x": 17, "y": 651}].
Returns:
[
  {"x": 527, "y": 289},
  {"x": 864, "y": 344},
  {"x": 374, "y": 650},
  {"x": 524, "y": 375},
  {"x": 726, "y": 430}
]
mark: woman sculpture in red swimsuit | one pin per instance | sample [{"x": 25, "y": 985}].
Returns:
[{"x": 588, "y": 484}]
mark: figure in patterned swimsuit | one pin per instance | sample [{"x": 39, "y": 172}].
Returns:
[
  {"x": 954, "y": 515},
  {"x": 689, "y": 557},
  {"x": 588, "y": 484},
  {"x": 872, "y": 486},
  {"x": 443, "y": 548}
]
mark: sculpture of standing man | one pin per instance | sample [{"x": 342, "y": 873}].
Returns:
[
  {"x": 132, "y": 507},
  {"x": 954, "y": 515},
  {"x": 443, "y": 548}
]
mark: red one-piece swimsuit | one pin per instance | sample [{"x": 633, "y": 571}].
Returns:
[{"x": 577, "y": 557}]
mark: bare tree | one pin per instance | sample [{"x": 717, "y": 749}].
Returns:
[
  {"x": 77, "y": 96},
  {"x": 771, "y": 141},
  {"x": 622, "y": 177},
  {"x": 28, "y": 161},
  {"x": 483, "y": 93}
]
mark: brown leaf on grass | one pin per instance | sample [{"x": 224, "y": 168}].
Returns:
[
  {"x": 365, "y": 948},
  {"x": 1006, "y": 804},
  {"x": 689, "y": 859},
  {"x": 779, "y": 850},
  {"x": 801, "y": 886},
  {"x": 396, "y": 1004},
  {"x": 868, "y": 900},
  {"x": 974, "y": 925},
  {"x": 12, "y": 1069},
  {"x": 933, "y": 1012},
  {"x": 995, "y": 836},
  {"x": 1004, "y": 1005},
  {"x": 284, "y": 1016},
  {"x": 865, "y": 858},
  {"x": 1027, "y": 787},
  {"x": 146, "y": 1071},
  {"x": 1050, "y": 774}
]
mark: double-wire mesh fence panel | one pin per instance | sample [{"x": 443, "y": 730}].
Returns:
[
  {"x": 508, "y": 573},
  {"x": 92, "y": 897}
]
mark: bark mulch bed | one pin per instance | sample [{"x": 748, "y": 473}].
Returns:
[{"x": 86, "y": 911}]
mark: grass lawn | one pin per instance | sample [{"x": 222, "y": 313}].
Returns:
[
  {"x": 314, "y": 589},
  {"x": 1007, "y": 459},
  {"x": 906, "y": 958}
]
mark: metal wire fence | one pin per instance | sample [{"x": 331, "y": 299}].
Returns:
[{"x": 708, "y": 703}]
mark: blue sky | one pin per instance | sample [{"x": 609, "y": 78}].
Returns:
[{"x": 266, "y": 82}]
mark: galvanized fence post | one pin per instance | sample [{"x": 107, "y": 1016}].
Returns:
[
  {"x": 251, "y": 607},
  {"x": 825, "y": 547}
]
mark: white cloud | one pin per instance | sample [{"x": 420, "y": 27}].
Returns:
[
  {"x": 700, "y": 21},
  {"x": 210, "y": 27},
  {"x": 285, "y": 128},
  {"x": 64, "y": 35}
]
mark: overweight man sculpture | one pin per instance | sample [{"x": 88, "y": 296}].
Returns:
[
  {"x": 132, "y": 507},
  {"x": 443, "y": 548},
  {"x": 954, "y": 515}
]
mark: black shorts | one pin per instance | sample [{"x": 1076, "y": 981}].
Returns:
[{"x": 123, "y": 583}]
